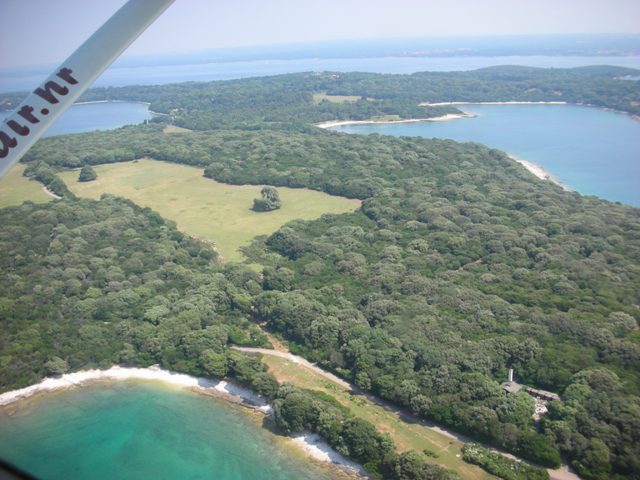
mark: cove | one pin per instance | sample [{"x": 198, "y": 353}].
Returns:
[
  {"x": 590, "y": 150},
  {"x": 87, "y": 117},
  {"x": 133, "y": 429}
]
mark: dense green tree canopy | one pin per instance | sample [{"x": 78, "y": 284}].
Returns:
[
  {"x": 91, "y": 284},
  {"x": 459, "y": 265}
]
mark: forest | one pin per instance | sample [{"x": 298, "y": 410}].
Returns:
[{"x": 459, "y": 265}]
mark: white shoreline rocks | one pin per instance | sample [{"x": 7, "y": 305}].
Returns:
[{"x": 318, "y": 449}]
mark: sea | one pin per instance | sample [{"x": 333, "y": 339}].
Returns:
[
  {"x": 89, "y": 117},
  {"x": 136, "y": 430},
  {"x": 133, "y": 430},
  {"x": 23, "y": 79},
  {"x": 589, "y": 150}
]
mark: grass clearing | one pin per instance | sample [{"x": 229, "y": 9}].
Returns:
[
  {"x": 175, "y": 129},
  {"x": 407, "y": 436},
  {"x": 386, "y": 118},
  {"x": 202, "y": 207},
  {"x": 15, "y": 189},
  {"x": 319, "y": 97}
]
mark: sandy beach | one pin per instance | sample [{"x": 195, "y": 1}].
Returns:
[
  {"x": 449, "y": 104},
  {"x": 320, "y": 450},
  {"x": 539, "y": 172},
  {"x": 91, "y": 102},
  {"x": 311, "y": 444},
  {"x": 77, "y": 379},
  {"x": 443, "y": 118}
]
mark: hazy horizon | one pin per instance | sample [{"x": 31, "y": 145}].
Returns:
[
  {"x": 503, "y": 45},
  {"x": 54, "y": 33}
]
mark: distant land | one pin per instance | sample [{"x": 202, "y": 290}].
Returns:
[
  {"x": 458, "y": 269},
  {"x": 403, "y": 55},
  {"x": 477, "y": 46}
]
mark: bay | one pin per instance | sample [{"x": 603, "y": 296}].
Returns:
[
  {"x": 590, "y": 150},
  {"x": 87, "y": 117},
  {"x": 132, "y": 430}
]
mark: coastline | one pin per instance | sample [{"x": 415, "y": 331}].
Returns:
[
  {"x": 539, "y": 172},
  {"x": 533, "y": 168},
  {"x": 115, "y": 373},
  {"x": 443, "y": 118},
  {"x": 315, "y": 447},
  {"x": 148, "y": 104},
  {"x": 311, "y": 444},
  {"x": 517, "y": 102},
  {"x": 514, "y": 102},
  {"x": 91, "y": 102}
]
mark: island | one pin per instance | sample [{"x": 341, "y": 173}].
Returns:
[{"x": 457, "y": 266}]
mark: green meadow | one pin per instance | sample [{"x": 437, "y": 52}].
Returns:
[
  {"x": 15, "y": 189},
  {"x": 319, "y": 97},
  {"x": 443, "y": 450},
  {"x": 202, "y": 207}
]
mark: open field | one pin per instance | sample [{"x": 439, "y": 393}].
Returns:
[
  {"x": 202, "y": 207},
  {"x": 175, "y": 129},
  {"x": 408, "y": 436},
  {"x": 318, "y": 97},
  {"x": 15, "y": 189}
]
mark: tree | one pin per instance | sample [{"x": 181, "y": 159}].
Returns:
[
  {"x": 214, "y": 364},
  {"x": 56, "y": 366},
  {"x": 363, "y": 440},
  {"x": 414, "y": 466},
  {"x": 87, "y": 174},
  {"x": 270, "y": 200}
]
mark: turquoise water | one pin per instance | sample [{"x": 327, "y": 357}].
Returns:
[
  {"x": 590, "y": 150},
  {"x": 143, "y": 431},
  {"x": 97, "y": 116}
]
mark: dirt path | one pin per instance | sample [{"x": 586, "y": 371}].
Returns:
[
  {"x": 50, "y": 193},
  {"x": 563, "y": 473},
  {"x": 300, "y": 361}
]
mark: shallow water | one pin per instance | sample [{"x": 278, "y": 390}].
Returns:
[
  {"x": 590, "y": 150},
  {"x": 133, "y": 430}
]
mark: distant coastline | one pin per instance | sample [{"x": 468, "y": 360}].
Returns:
[
  {"x": 443, "y": 118},
  {"x": 533, "y": 168},
  {"x": 515, "y": 102},
  {"x": 91, "y": 102},
  {"x": 148, "y": 104},
  {"x": 95, "y": 102}
]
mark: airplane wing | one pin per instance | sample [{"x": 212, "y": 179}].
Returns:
[{"x": 45, "y": 104}]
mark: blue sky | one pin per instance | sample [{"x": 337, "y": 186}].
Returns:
[{"x": 47, "y": 31}]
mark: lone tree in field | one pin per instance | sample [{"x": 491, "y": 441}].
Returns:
[
  {"x": 270, "y": 200},
  {"x": 87, "y": 174}
]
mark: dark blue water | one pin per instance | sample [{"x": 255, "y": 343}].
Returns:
[
  {"x": 22, "y": 80},
  {"x": 97, "y": 116},
  {"x": 590, "y": 150}
]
